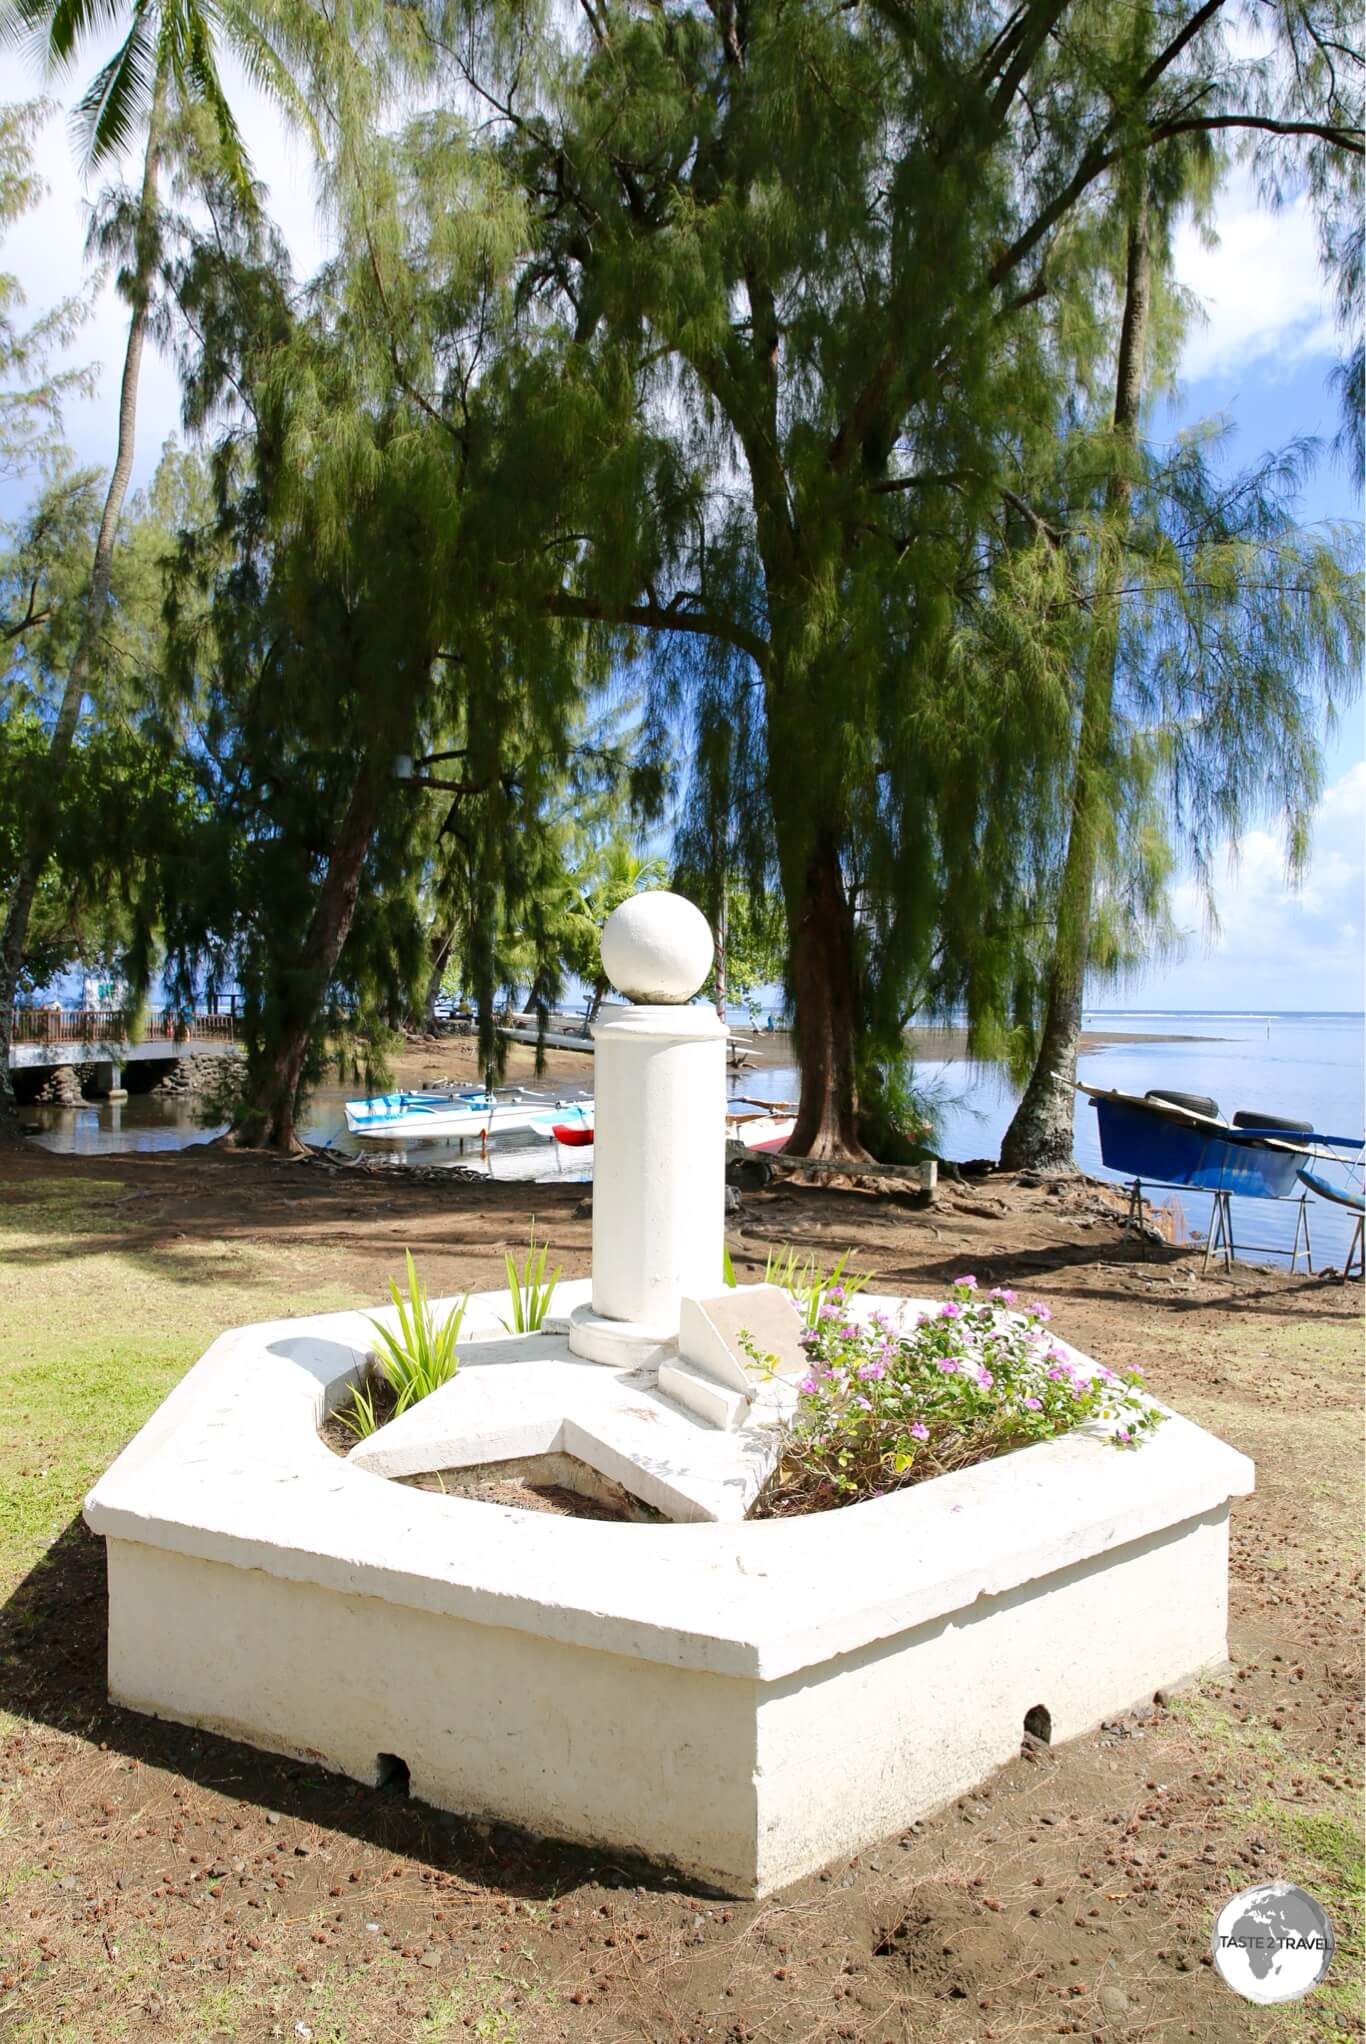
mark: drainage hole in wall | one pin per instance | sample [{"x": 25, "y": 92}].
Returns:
[
  {"x": 391, "y": 1774},
  {"x": 1038, "y": 1724}
]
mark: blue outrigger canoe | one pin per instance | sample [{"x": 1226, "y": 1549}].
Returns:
[{"x": 1168, "y": 1143}]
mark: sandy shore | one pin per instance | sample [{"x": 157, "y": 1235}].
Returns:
[{"x": 430, "y": 1060}]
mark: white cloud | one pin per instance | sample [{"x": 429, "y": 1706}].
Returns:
[
  {"x": 1275, "y": 947},
  {"x": 1261, "y": 286}
]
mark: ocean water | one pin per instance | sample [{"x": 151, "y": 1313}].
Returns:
[{"x": 1307, "y": 1066}]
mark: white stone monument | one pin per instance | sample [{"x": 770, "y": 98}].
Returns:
[
  {"x": 659, "y": 1085},
  {"x": 743, "y": 1702}
]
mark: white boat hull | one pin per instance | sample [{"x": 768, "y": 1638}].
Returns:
[{"x": 396, "y": 1118}]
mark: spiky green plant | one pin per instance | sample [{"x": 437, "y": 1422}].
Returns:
[
  {"x": 420, "y": 1357},
  {"x": 531, "y": 1289},
  {"x": 360, "y": 1418},
  {"x": 809, "y": 1285}
]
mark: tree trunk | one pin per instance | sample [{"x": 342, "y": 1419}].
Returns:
[
  {"x": 273, "y": 1109},
  {"x": 441, "y": 951},
  {"x": 42, "y": 824},
  {"x": 1040, "y": 1133},
  {"x": 825, "y": 1004}
]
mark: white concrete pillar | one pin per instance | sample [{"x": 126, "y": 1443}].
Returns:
[
  {"x": 659, "y": 1146},
  {"x": 109, "y": 1081}
]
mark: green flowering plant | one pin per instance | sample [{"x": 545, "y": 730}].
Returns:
[{"x": 881, "y": 1408}]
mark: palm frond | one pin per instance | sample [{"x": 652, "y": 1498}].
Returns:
[
  {"x": 59, "y": 30},
  {"x": 118, "y": 97},
  {"x": 264, "y": 53},
  {"x": 200, "y": 82}
]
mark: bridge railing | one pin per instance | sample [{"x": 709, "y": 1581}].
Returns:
[{"x": 115, "y": 1025}]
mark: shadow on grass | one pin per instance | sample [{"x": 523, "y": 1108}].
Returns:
[
  {"x": 181, "y": 1215},
  {"x": 52, "y": 1672}
]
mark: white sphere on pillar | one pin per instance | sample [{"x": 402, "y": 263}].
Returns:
[
  {"x": 657, "y": 949},
  {"x": 660, "y": 1136}
]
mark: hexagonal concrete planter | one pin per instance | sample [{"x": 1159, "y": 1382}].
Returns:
[{"x": 742, "y": 1701}]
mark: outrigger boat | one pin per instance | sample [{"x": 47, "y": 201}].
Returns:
[
  {"x": 1182, "y": 1139},
  {"x": 571, "y": 1125},
  {"x": 761, "y": 1131},
  {"x": 433, "y": 1117}
]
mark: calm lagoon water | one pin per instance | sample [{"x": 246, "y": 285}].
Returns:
[
  {"x": 1306, "y": 1066},
  {"x": 142, "y": 1123},
  {"x": 1309, "y": 1066}
]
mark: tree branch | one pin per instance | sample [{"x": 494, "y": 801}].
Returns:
[
  {"x": 656, "y": 617},
  {"x": 1351, "y": 139},
  {"x": 30, "y": 618}
]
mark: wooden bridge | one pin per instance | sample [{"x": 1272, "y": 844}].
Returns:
[{"x": 115, "y": 1037}]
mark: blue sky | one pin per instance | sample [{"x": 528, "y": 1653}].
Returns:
[{"x": 1261, "y": 359}]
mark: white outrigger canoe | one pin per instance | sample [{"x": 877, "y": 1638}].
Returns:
[{"x": 433, "y": 1117}]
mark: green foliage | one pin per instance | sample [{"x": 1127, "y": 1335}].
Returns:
[
  {"x": 31, "y": 393},
  {"x": 812, "y": 1288},
  {"x": 168, "y": 53},
  {"x": 728, "y": 1277},
  {"x": 822, "y": 292},
  {"x": 419, "y": 1356},
  {"x": 750, "y": 930},
  {"x": 881, "y": 1408},
  {"x": 609, "y": 874},
  {"x": 127, "y": 794},
  {"x": 898, "y": 1113},
  {"x": 531, "y": 1289},
  {"x": 360, "y": 1417}
]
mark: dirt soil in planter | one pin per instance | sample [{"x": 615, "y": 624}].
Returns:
[{"x": 162, "y": 1886}]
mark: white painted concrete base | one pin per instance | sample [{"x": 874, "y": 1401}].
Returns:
[{"x": 741, "y": 1701}]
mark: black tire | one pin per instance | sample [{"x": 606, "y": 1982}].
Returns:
[
  {"x": 1195, "y": 1103},
  {"x": 1246, "y": 1117}
]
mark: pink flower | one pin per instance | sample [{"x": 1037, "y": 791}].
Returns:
[
  {"x": 948, "y": 1364},
  {"x": 808, "y": 1384},
  {"x": 1004, "y": 1294},
  {"x": 985, "y": 1378},
  {"x": 1040, "y": 1311},
  {"x": 870, "y": 1372},
  {"x": 970, "y": 1283},
  {"x": 920, "y": 1432},
  {"x": 1034, "y": 1404},
  {"x": 949, "y": 1311},
  {"x": 1124, "y": 1435}
]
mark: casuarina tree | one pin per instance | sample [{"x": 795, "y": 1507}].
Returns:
[{"x": 849, "y": 262}]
